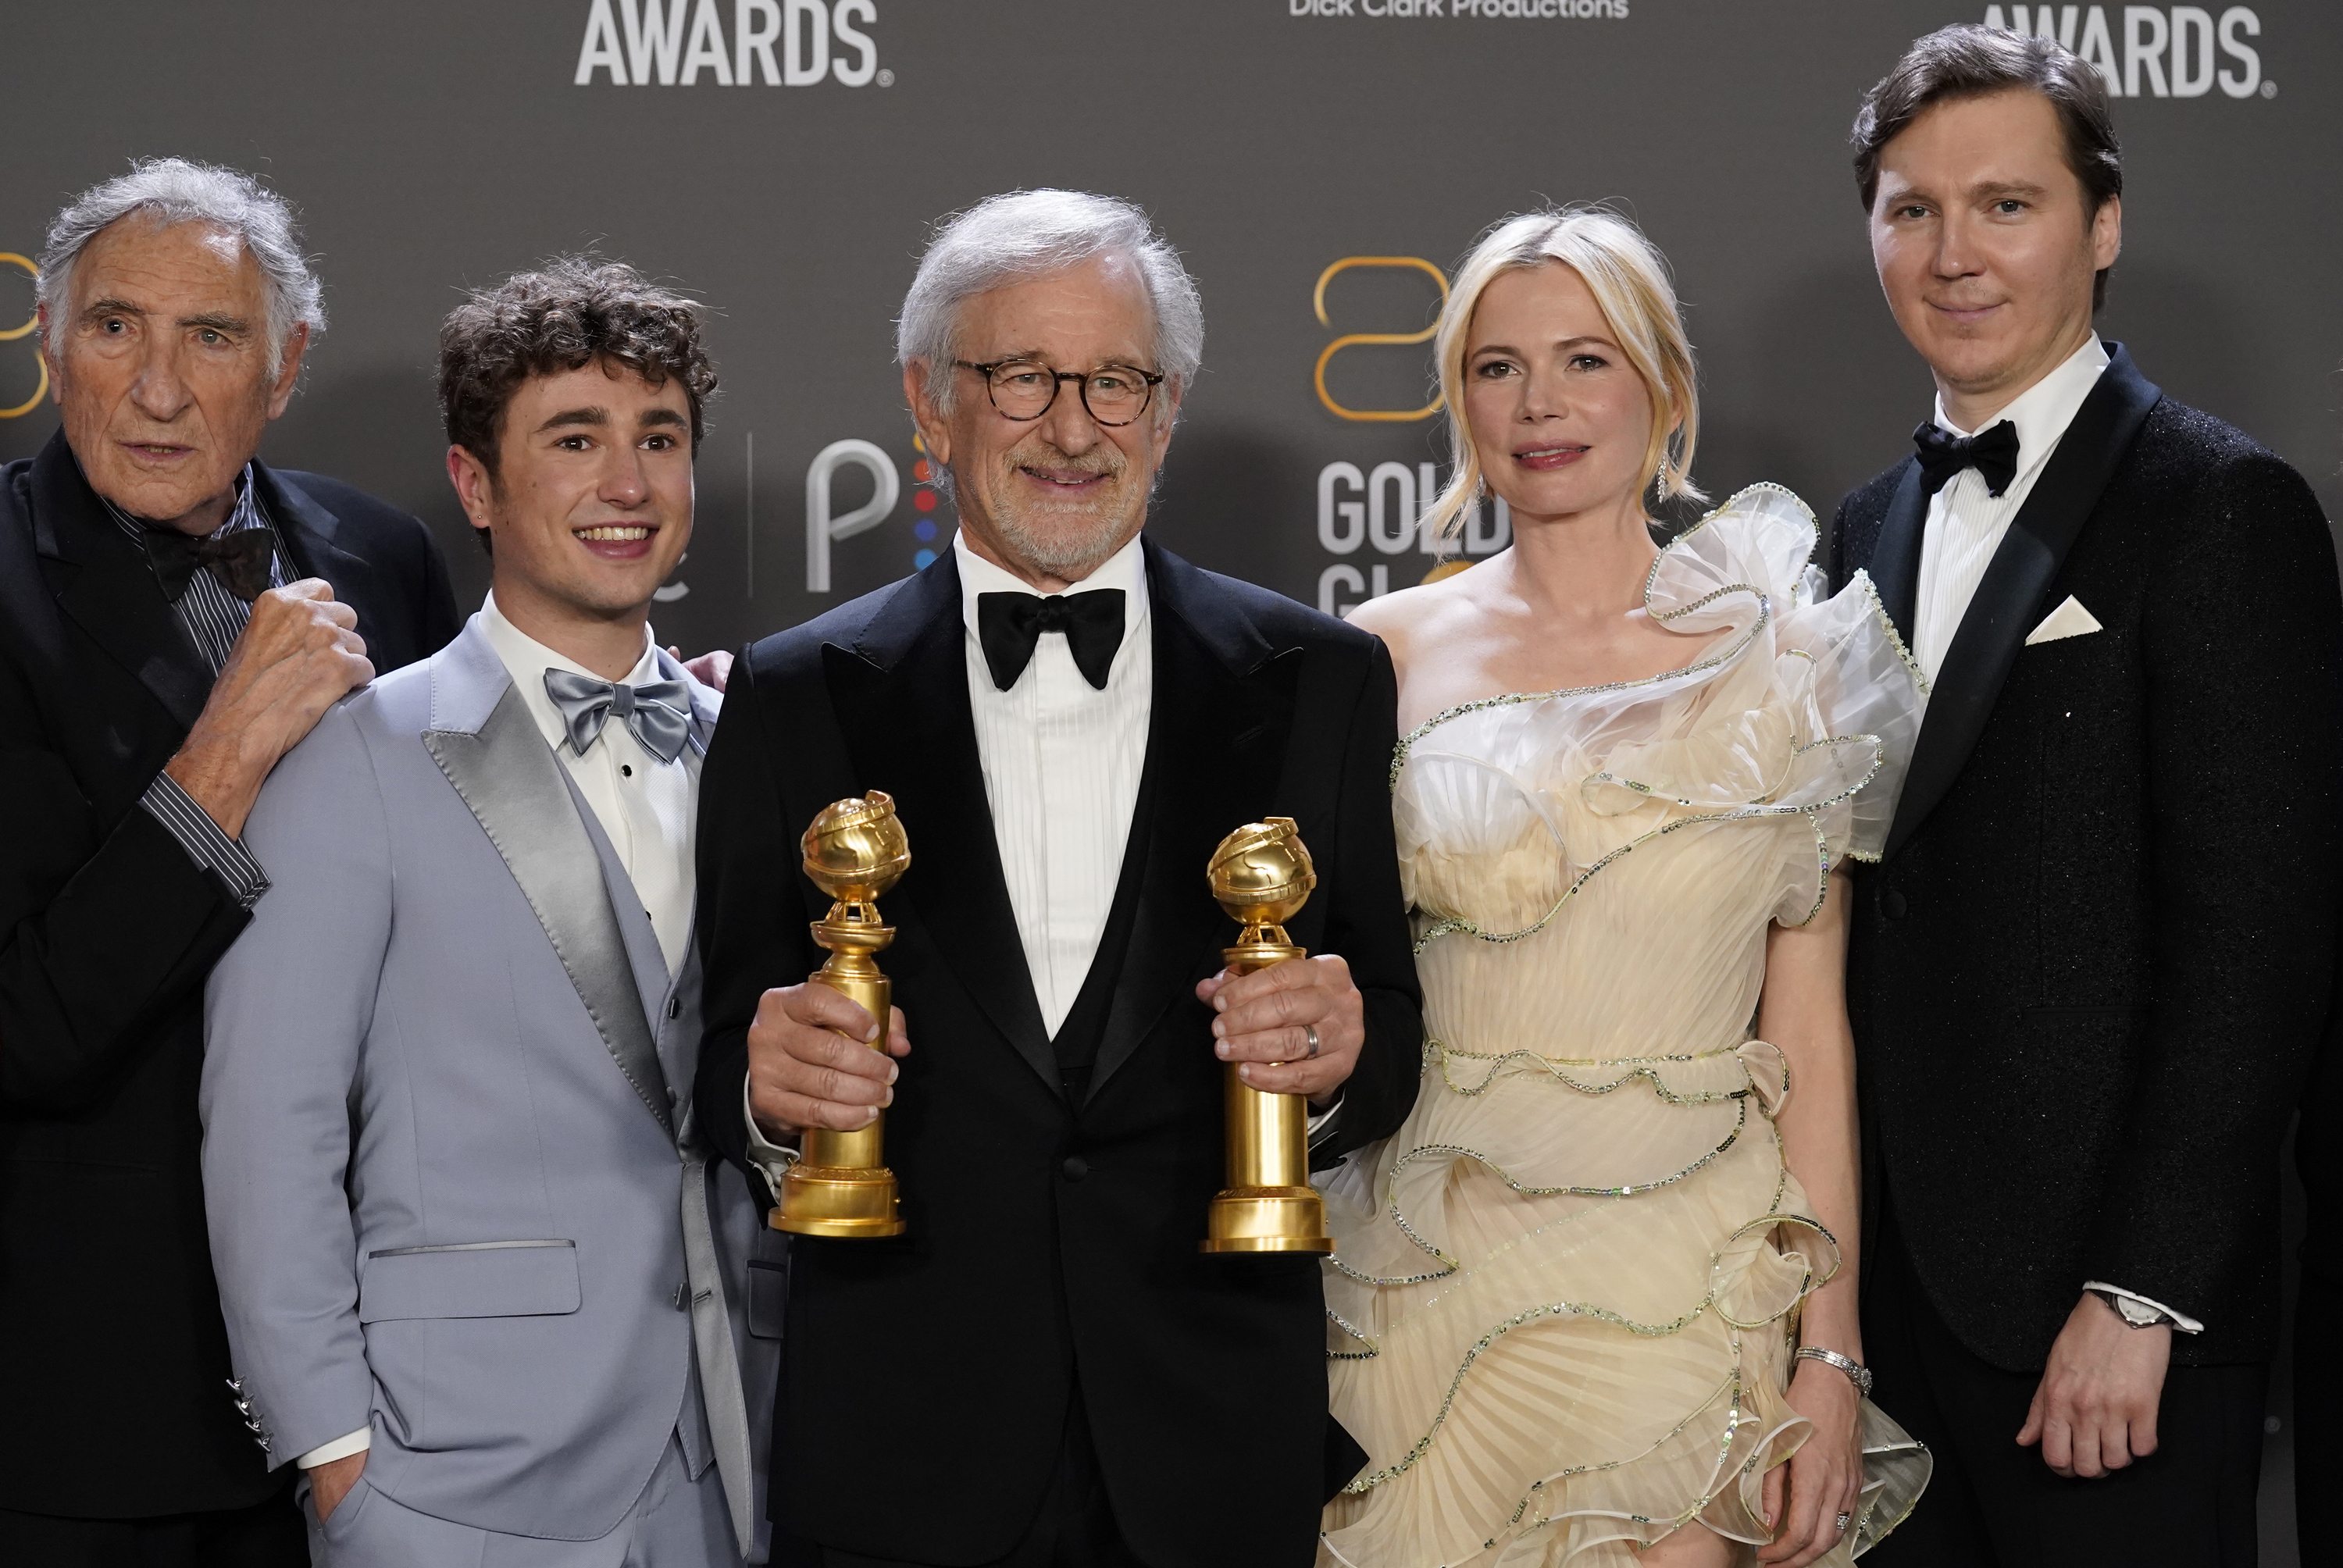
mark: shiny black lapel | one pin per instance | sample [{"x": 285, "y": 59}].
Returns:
[
  {"x": 900, "y": 694},
  {"x": 1895, "y": 558},
  {"x": 311, "y": 537},
  {"x": 1216, "y": 743},
  {"x": 103, "y": 581},
  {"x": 2009, "y": 599}
]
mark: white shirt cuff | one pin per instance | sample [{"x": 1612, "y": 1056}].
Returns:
[
  {"x": 357, "y": 1441},
  {"x": 766, "y": 1155},
  {"x": 2145, "y": 1311},
  {"x": 1321, "y": 1127}
]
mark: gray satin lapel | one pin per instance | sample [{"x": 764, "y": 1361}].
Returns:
[
  {"x": 643, "y": 955},
  {"x": 723, "y": 1394},
  {"x": 508, "y": 776}
]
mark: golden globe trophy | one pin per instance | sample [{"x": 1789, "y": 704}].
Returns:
[
  {"x": 855, "y": 850},
  {"x": 1260, "y": 874}
]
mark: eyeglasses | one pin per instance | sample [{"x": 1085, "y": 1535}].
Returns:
[{"x": 1023, "y": 389}]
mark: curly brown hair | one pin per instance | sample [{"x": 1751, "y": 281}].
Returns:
[{"x": 568, "y": 314}]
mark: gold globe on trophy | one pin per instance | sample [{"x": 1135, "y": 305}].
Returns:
[
  {"x": 855, "y": 850},
  {"x": 1261, "y": 875}
]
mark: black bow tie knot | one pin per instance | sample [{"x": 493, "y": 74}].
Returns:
[
  {"x": 1991, "y": 453},
  {"x": 242, "y": 561},
  {"x": 1010, "y": 625}
]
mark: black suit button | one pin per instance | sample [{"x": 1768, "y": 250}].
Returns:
[
  {"x": 1893, "y": 904},
  {"x": 1075, "y": 1168}
]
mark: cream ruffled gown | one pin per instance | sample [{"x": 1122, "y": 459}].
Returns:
[{"x": 1564, "y": 1293}]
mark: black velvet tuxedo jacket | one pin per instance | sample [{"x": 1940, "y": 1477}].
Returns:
[
  {"x": 116, "y": 1400},
  {"x": 2087, "y": 976},
  {"x": 1051, "y": 1242}
]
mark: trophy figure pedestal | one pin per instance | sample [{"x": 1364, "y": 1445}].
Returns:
[
  {"x": 840, "y": 1185},
  {"x": 1269, "y": 1205}
]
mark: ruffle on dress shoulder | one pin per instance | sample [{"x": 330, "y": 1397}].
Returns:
[{"x": 1797, "y": 704}]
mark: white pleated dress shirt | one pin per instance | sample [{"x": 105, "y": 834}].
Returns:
[
  {"x": 1966, "y": 524},
  {"x": 647, "y": 808},
  {"x": 1061, "y": 766},
  {"x": 1964, "y": 527}
]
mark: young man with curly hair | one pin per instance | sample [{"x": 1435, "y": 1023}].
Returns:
[{"x": 482, "y": 1284}]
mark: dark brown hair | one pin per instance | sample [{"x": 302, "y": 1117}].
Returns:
[
  {"x": 1970, "y": 61},
  {"x": 570, "y": 313}
]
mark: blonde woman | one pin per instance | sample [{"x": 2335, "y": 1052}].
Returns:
[{"x": 1595, "y": 1302}]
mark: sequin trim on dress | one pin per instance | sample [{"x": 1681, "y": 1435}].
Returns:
[{"x": 1424, "y": 1445}]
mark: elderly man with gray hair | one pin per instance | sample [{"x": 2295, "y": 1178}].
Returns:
[
  {"x": 174, "y": 616},
  {"x": 1042, "y": 1369}
]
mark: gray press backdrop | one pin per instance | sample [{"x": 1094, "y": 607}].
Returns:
[{"x": 1321, "y": 163}]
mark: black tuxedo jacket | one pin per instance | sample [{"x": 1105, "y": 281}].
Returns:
[
  {"x": 1051, "y": 1240},
  {"x": 115, "y": 1402},
  {"x": 2089, "y": 972}
]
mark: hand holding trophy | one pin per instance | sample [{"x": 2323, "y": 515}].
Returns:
[
  {"x": 1261, "y": 875},
  {"x": 854, "y": 852}
]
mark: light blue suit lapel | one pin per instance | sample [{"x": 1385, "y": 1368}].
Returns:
[{"x": 491, "y": 750}]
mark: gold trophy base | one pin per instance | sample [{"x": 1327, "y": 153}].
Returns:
[
  {"x": 842, "y": 1201},
  {"x": 1266, "y": 1220}
]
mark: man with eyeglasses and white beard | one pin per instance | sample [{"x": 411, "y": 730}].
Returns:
[{"x": 1042, "y": 1369}]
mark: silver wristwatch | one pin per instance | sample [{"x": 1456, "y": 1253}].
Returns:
[
  {"x": 2133, "y": 1312},
  {"x": 1856, "y": 1372}
]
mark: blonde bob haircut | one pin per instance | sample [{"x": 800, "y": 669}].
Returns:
[{"x": 1629, "y": 279}]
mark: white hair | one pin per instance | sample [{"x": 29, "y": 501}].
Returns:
[
  {"x": 1023, "y": 235},
  {"x": 172, "y": 191}
]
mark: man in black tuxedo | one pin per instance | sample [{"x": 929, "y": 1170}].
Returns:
[
  {"x": 174, "y": 616},
  {"x": 2088, "y": 975},
  {"x": 1044, "y": 1370}
]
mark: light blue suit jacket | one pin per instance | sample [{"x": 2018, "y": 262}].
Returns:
[{"x": 454, "y": 1191}]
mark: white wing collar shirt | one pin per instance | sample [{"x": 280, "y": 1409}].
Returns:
[
  {"x": 1062, "y": 764},
  {"x": 1964, "y": 527}
]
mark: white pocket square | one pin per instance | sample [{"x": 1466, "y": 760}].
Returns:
[{"x": 2069, "y": 619}]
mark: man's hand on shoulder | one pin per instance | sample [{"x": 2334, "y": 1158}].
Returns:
[
  {"x": 711, "y": 669},
  {"x": 298, "y": 655},
  {"x": 2096, "y": 1409},
  {"x": 1266, "y": 1020},
  {"x": 810, "y": 1063}
]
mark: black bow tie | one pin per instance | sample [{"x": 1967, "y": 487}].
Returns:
[
  {"x": 1991, "y": 453},
  {"x": 1008, "y": 625},
  {"x": 241, "y": 560}
]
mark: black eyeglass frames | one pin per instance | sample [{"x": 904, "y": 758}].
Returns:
[{"x": 1024, "y": 389}]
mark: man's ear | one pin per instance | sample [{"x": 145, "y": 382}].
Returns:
[
  {"x": 51, "y": 368},
  {"x": 2106, "y": 234},
  {"x": 295, "y": 345},
  {"x": 475, "y": 487},
  {"x": 934, "y": 432},
  {"x": 1167, "y": 415}
]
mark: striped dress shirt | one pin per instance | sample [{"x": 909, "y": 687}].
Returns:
[{"x": 213, "y": 619}]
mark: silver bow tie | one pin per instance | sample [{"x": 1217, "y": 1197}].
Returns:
[{"x": 658, "y": 711}]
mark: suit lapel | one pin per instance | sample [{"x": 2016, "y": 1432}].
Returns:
[
  {"x": 310, "y": 536},
  {"x": 503, "y": 770},
  {"x": 2009, "y": 598},
  {"x": 1222, "y": 709},
  {"x": 102, "y": 580},
  {"x": 902, "y": 694},
  {"x": 1896, "y": 559}
]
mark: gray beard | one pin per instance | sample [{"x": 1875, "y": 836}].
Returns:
[{"x": 1071, "y": 554}]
